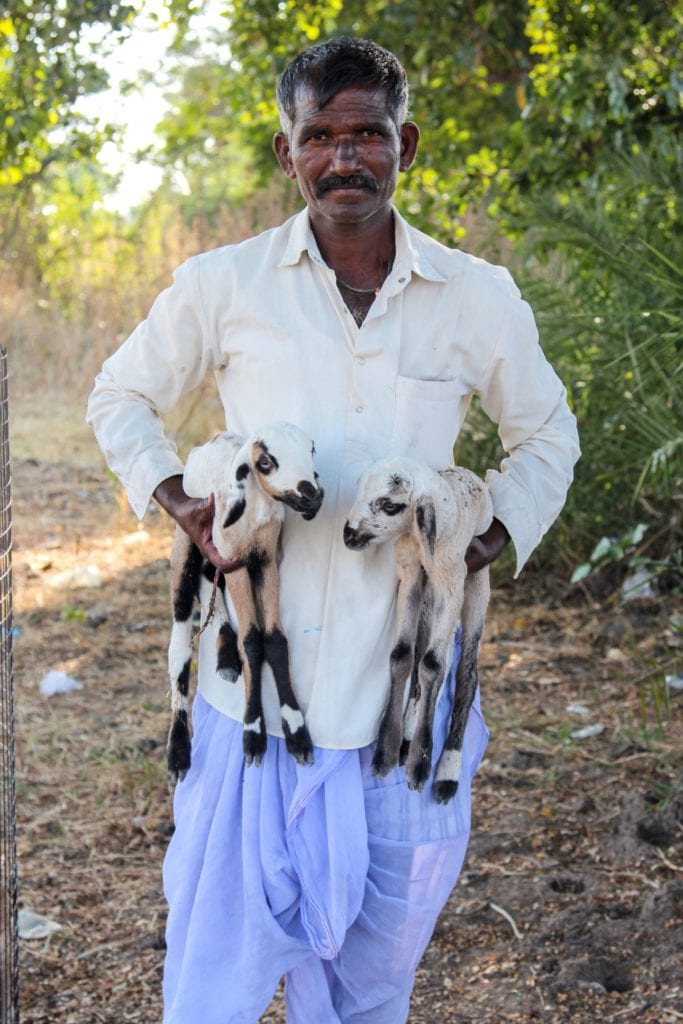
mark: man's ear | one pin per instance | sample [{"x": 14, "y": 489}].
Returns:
[
  {"x": 410, "y": 137},
  {"x": 282, "y": 152},
  {"x": 425, "y": 530}
]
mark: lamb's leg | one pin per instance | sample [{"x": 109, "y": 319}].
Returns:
[
  {"x": 473, "y": 613},
  {"x": 186, "y": 563},
  {"x": 228, "y": 661},
  {"x": 266, "y": 583},
  {"x": 250, "y": 643},
  {"x": 432, "y": 670},
  {"x": 408, "y": 603},
  {"x": 410, "y": 715}
]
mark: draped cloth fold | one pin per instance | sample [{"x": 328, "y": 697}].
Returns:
[{"x": 325, "y": 874}]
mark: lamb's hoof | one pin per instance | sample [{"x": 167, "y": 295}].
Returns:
[
  {"x": 228, "y": 673},
  {"x": 299, "y": 745},
  {"x": 254, "y": 746},
  {"x": 444, "y": 790},
  {"x": 384, "y": 762},
  {"x": 179, "y": 749},
  {"x": 418, "y": 773}
]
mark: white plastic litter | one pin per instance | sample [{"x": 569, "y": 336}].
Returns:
[
  {"x": 81, "y": 576},
  {"x": 578, "y": 709},
  {"x": 588, "y": 731},
  {"x": 675, "y": 682},
  {"x": 57, "y": 682},
  {"x": 35, "y": 926},
  {"x": 637, "y": 586}
]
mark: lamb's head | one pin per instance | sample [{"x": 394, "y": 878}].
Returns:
[
  {"x": 280, "y": 459},
  {"x": 392, "y": 500}
]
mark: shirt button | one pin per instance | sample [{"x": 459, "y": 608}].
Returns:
[
  {"x": 360, "y": 360},
  {"x": 401, "y": 280},
  {"x": 359, "y": 408}
]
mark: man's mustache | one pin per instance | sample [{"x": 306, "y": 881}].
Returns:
[{"x": 351, "y": 181}]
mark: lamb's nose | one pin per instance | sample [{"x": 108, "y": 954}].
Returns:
[
  {"x": 307, "y": 490},
  {"x": 349, "y": 533}
]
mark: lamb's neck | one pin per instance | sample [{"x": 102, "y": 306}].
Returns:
[{"x": 261, "y": 508}]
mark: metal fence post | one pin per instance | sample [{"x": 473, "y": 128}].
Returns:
[{"x": 9, "y": 939}]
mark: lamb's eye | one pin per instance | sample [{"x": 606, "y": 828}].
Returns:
[
  {"x": 392, "y": 508},
  {"x": 263, "y": 464}
]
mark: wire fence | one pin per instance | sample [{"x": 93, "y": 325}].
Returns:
[{"x": 9, "y": 941}]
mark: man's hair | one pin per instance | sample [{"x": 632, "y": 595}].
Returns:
[{"x": 342, "y": 63}]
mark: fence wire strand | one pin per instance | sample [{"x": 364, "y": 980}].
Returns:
[{"x": 9, "y": 941}]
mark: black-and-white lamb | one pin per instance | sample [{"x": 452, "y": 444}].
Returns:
[
  {"x": 252, "y": 480},
  {"x": 431, "y": 517}
]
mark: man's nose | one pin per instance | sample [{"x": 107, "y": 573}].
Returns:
[{"x": 346, "y": 156}]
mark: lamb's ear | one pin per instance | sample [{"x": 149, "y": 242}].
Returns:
[
  {"x": 484, "y": 512},
  {"x": 235, "y": 501},
  {"x": 425, "y": 529},
  {"x": 234, "y": 510},
  {"x": 241, "y": 464}
]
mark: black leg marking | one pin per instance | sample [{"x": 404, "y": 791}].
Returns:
[
  {"x": 255, "y": 563},
  {"x": 228, "y": 661},
  {"x": 184, "y": 679},
  {"x": 419, "y": 765},
  {"x": 388, "y": 749},
  {"x": 450, "y": 764},
  {"x": 254, "y": 733},
  {"x": 188, "y": 585},
  {"x": 209, "y": 573},
  {"x": 432, "y": 662},
  {"x": 178, "y": 752},
  {"x": 400, "y": 651},
  {"x": 297, "y": 738}
]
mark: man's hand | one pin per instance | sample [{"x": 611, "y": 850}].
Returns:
[
  {"x": 486, "y": 548},
  {"x": 195, "y": 517}
]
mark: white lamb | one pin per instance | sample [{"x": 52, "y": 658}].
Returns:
[
  {"x": 431, "y": 517},
  {"x": 252, "y": 481}
]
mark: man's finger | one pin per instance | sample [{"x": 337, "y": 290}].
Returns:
[{"x": 222, "y": 564}]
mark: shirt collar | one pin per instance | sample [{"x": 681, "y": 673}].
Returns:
[{"x": 411, "y": 249}]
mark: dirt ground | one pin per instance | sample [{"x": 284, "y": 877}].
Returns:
[{"x": 570, "y": 905}]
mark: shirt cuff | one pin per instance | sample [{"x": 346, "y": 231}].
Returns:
[
  {"x": 151, "y": 468},
  {"x": 516, "y": 508}
]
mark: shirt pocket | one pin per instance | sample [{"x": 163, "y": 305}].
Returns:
[{"x": 427, "y": 418}]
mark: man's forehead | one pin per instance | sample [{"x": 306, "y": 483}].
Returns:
[{"x": 360, "y": 100}]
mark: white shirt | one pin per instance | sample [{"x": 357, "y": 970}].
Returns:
[{"x": 266, "y": 316}]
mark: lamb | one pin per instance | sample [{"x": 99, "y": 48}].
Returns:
[
  {"x": 252, "y": 481},
  {"x": 432, "y": 517}
]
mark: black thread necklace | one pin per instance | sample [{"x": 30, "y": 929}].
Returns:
[
  {"x": 366, "y": 291},
  {"x": 359, "y": 291}
]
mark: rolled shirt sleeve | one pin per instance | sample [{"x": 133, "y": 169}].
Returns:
[
  {"x": 522, "y": 393},
  {"x": 165, "y": 356}
]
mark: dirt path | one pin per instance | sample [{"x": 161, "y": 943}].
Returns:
[{"x": 570, "y": 906}]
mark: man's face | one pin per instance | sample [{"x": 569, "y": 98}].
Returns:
[{"x": 346, "y": 157}]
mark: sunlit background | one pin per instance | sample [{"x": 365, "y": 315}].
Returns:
[{"x": 134, "y": 135}]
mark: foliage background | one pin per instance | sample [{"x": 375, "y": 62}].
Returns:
[{"x": 551, "y": 141}]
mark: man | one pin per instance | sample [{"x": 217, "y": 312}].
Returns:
[{"x": 372, "y": 338}]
